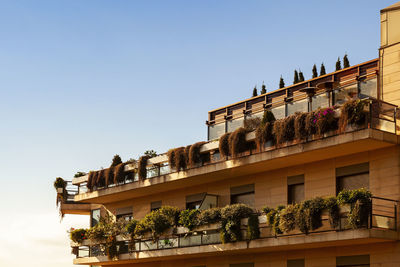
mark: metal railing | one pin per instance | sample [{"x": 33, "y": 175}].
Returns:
[{"x": 382, "y": 215}]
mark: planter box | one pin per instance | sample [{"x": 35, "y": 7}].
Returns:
[
  {"x": 207, "y": 227},
  {"x": 182, "y": 230},
  {"x": 262, "y": 219},
  {"x": 344, "y": 209}
]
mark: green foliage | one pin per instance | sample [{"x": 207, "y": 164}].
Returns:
[
  {"x": 194, "y": 154},
  {"x": 359, "y": 213},
  {"x": 352, "y": 112},
  {"x": 287, "y": 218},
  {"x": 230, "y": 221},
  {"x": 301, "y": 76},
  {"x": 264, "y": 134},
  {"x": 171, "y": 158},
  {"x": 142, "y": 167},
  {"x": 253, "y": 229},
  {"x": 180, "y": 159},
  {"x": 224, "y": 145},
  {"x": 273, "y": 219},
  {"x": 209, "y": 216},
  {"x": 296, "y": 77},
  {"x": 346, "y": 62},
  {"x": 131, "y": 226},
  {"x": 254, "y": 92},
  {"x": 101, "y": 180},
  {"x": 189, "y": 218},
  {"x": 79, "y": 174},
  {"x": 109, "y": 176},
  {"x": 263, "y": 89},
  {"x": 116, "y": 161},
  {"x": 281, "y": 83},
  {"x": 268, "y": 117},
  {"x": 352, "y": 196},
  {"x": 78, "y": 235},
  {"x": 331, "y": 204},
  {"x": 237, "y": 142},
  {"x": 157, "y": 222},
  {"x": 314, "y": 71},
  {"x": 59, "y": 183},
  {"x": 338, "y": 64},
  {"x": 289, "y": 131},
  {"x": 322, "y": 70},
  {"x": 150, "y": 153}
]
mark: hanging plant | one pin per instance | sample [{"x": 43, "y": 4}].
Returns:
[
  {"x": 300, "y": 127},
  {"x": 78, "y": 235},
  {"x": 310, "y": 125},
  {"x": 119, "y": 173},
  {"x": 142, "y": 167},
  {"x": 278, "y": 131},
  {"x": 90, "y": 182},
  {"x": 171, "y": 158},
  {"x": 187, "y": 152},
  {"x": 353, "y": 113},
  {"x": 287, "y": 218},
  {"x": 189, "y": 218},
  {"x": 230, "y": 221},
  {"x": 194, "y": 154},
  {"x": 180, "y": 159},
  {"x": 109, "y": 176},
  {"x": 101, "y": 179},
  {"x": 238, "y": 143},
  {"x": 251, "y": 124},
  {"x": 331, "y": 204},
  {"x": 224, "y": 145},
  {"x": 264, "y": 134},
  {"x": 324, "y": 120},
  {"x": 288, "y": 128}
]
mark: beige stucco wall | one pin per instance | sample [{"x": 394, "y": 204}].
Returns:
[
  {"x": 381, "y": 254},
  {"x": 271, "y": 186}
]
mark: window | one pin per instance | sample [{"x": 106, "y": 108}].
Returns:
[
  {"x": 242, "y": 265},
  {"x": 295, "y": 189},
  {"x": 155, "y": 205},
  {"x": 295, "y": 263},
  {"x": 243, "y": 194},
  {"x": 194, "y": 201},
  {"x": 368, "y": 88},
  {"x": 352, "y": 177},
  {"x": 352, "y": 261},
  {"x": 125, "y": 213},
  {"x": 279, "y": 112},
  {"x": 320, "y": 101},
  {"x": 94, "y": 217}
]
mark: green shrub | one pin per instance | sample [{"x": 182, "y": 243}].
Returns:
[
  {"x": 189, "y": 218},
  {"x": 273, "y": 219},
  {"x": 278, "y": 131},
  {"x": 264, "y": 134},
  {"x": 78, "y": 235},
  {"x": 316, "y": 206},
  {"x": 155, "y": 222},
  {"x": 150, "y": 153},
  {"x": 230, "y": 221},
  {"x": 194, "y": 154},
  {"x": 224, "y": 145},
  {"x": 288, "y": 128},
  {"x": 253, "y": 229},
  {"x": 360, "y": 201},
  {"x": 287, "y": 218},
  {"x": 79, "y": 174},
  {"x": 331, "y": 204},
  {"x": 116, "y": 161},
  {"x": 131, "y": 226},
  {"x": 268, "y": 117},
  {"x": 142, "y": 167},
  {"x": 59, "y": 183},
  {"x": 237, "y": 142},
  {"x": 351, "y": 196},
  {"x": 302, "y": 218},
  {"x": 208, "y": 216},
  {"x": 353, "y": 113}
]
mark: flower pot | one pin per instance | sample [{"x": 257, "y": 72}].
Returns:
[{"x": 60, "y": 190}]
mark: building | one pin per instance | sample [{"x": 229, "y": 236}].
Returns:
[{"x": 298, "y": 165}]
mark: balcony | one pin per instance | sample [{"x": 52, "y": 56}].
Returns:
[
  {"x": 378, "y": 132},
  {"x": 68, "y": 204},
  {"x": 380, "y": 226}
]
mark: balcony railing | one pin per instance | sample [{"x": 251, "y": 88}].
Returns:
[
  {"x": 381, "y": 116},
  {"x": 382, "y": 215}
]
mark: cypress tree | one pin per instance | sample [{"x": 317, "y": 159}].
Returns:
[
  {"x": 281, "y": 83},
  {"x": 263, "y": 89},
  {"x": 314, "y": 71},
  {"x": 338, "y": 64},
  {"x": 322, "y": 71},
  {"x": 301, "y": 76},
  {"x": 296, "y": 77},
  {"x": 346, "y": 62},
  {"x": 255, "y": 91}
]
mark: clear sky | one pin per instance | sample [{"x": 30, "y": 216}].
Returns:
[{"x": 81, "y": 81}]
